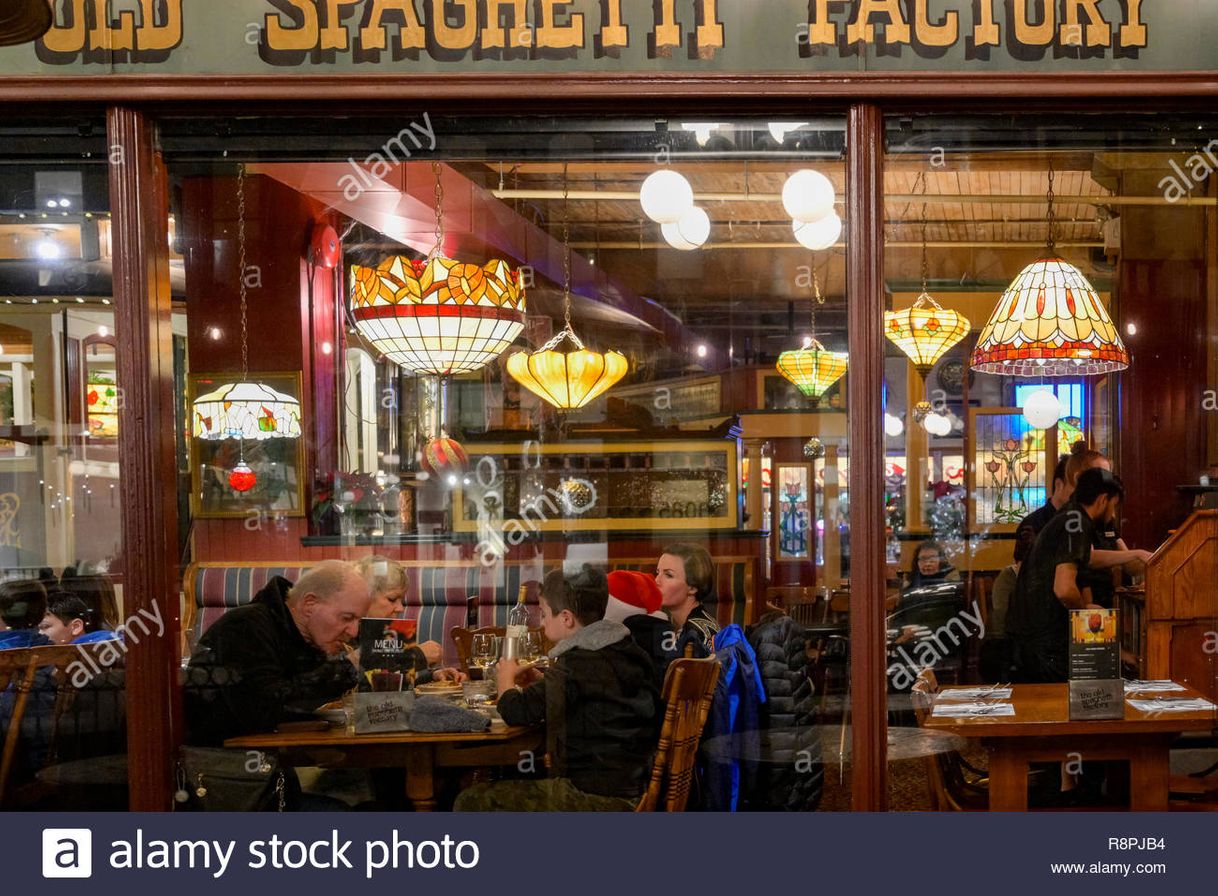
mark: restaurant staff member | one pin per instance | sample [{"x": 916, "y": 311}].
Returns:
[{"x": 1038, "y": 622}]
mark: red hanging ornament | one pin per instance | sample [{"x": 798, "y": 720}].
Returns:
[
  {"x": 444, "y": 456},
  {"x": 242, "y": 478}
]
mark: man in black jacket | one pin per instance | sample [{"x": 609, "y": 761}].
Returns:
[{"x": 279, "y": 657}]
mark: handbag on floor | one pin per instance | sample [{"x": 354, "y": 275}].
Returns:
[{"x": 212, "y": 779}]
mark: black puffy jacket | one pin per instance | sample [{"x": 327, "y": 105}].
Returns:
[{"x": 792, "y": 775}]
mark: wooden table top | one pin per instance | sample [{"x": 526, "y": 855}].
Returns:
[
  {"x": 1043, "y": 710},
  {"x": 338, "y": 737}
]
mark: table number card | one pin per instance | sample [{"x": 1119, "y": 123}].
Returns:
[{"x": 1096, "y": 689}]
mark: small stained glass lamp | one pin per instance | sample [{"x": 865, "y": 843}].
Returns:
[
  {"x": 244, "y": 410},
  {"x": 567, "y": 379},
  {"x": 813, "y": 369}
]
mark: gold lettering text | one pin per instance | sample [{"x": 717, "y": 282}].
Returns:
[
  {"x": 493, "y": 35},
  {"x": 165, "y": 36},
  {"x": 1133, "y": 32},
  {"x": 861, "y": 29},
  {"x": 1034, "y": 35},
  {"x": 668, "y": 32},
  {"x": 455, "y": 37},
  {"x": 1097, "y": 32},
  {"x": 107, "y": 35},
  {"x": 334, "y": 34},
  {"x": 65, "y": 39},
  {"x": 374, "y": 35},
  {"x": 823, "y": 31},
  {"x": 943, "y": 35},
  {"x": 302, "y": 37},
  {"x": 710, "y": 32},
  {"x": 985, "y": 32},
  {"x": 613, "y": 32}
]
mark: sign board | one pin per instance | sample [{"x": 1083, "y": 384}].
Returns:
[{"x": 260, "y": 37}]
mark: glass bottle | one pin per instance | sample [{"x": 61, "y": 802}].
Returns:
[{"x": 517, "y": 626}]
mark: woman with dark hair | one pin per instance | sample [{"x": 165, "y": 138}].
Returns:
[
  {"x": 930, "y": 566},
  {"x": 685, "y": 575}
]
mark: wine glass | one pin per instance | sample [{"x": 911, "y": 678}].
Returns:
[
  {"x": 530, "y": 647},
  {"x": 483, "y": 652}
]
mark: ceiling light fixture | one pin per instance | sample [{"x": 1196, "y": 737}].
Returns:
[
  {"x": 570, "y": 379},
  {"x": 813, "y": 369},
  {"x": 666, "y": 196},
  {"x": 691, "y": 232},
  {"x": 1050, "y": 321},
  {"x": 244, "y": 410},
  {"x": 808, "y": 196}
]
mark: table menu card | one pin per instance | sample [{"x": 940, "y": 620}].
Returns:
[{"x": 1096, "y": 689}]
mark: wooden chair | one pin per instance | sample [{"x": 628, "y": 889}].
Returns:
[
  {"x": 955, "y": 785},
  {"x": 689, "y": 687},
  {"x": 20, "y": 670}
]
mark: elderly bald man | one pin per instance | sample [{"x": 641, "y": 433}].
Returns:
[{"x": 277, "y": 658}]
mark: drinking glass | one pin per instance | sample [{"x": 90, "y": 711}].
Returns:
[
  {"x": 483, "y": 652},
  {"x": 531, "y": 647}
]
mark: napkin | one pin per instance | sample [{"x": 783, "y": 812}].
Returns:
[
  {"x": 435, "y": 714},
  {"x": 1176, "y": 704},
  {"x": 982, "y": 693},
  {"x": 968, "y": 710},
  {"x": 1151, "y": 687}
]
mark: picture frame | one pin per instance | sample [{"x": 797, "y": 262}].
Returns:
[
  {"x": 279, "y": 464},
  {"x": 793, "y": 528}
]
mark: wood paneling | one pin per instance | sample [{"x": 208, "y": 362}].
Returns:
[
  {"x": 139, "y": 198},
  {"x": 868, "y": 571}
]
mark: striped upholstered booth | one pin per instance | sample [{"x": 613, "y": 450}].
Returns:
[{"x": 437, "y": 594}]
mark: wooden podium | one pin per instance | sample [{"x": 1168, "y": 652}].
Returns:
[{"x": 1171, "y": 630}]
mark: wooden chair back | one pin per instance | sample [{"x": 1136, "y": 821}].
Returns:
[
  {"x": 689, "y": 687},
  {"x": 951, "y": 788},
  {"x": 19, "y": 670}
]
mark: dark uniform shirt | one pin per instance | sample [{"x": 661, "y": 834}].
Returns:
[
  {"x": 1037, "y": 621},
  {"x": 1034, "y": 522},
  {"x": 1100, "y": 581}
]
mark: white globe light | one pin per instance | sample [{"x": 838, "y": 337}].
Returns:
[
  {"x": 893, "y": 426},
  {"x": 666, "y": 196},
  {"x": 1042, "y": 410},
  {"x": 937, "y": 425},
  {"x": 691, "y": 232},
  {"x": 807, "y": 196},
  {"x": 819, "y": 235}
]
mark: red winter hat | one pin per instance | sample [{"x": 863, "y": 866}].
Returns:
[{"x": 631, "y": 594}]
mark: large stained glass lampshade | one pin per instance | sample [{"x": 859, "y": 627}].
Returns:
[
  {"x": 813, "y": 369},
  {"x": 1050, "y": 322},
  {"x": 243, "y": 410},
  {"x": 437, "y": 315},
  {"x": 925, "y": 331},
  {"x": 567, "y": 380}
]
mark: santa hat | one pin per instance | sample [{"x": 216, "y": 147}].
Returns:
[{"x": 632, "y": 594}]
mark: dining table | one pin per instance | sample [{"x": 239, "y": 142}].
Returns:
[
  {"x": 420, "y": 754},
  {"x": 1041, "y": 730}
]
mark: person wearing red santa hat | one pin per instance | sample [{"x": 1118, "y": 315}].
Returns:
[{"x": 634, "y": 601}]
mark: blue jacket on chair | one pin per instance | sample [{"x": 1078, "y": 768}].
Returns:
[{"x": 731, "y": 741}]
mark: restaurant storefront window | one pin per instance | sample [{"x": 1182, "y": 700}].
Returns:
[
  {"x": 402, "y": 291},
  {"x": 1057, "y": 285},
  {"x": 61, "y": 402}
]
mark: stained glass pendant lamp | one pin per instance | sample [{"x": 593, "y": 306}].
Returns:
[
  {"x": 813, "y": 369},
  {"x": 926, "y": 330},
  {"x": 244, "y": 410},
  {"x": 567, "y": 379},
  {"x": 437, "y": 315},
  {"x": 1050, "y": 322}
]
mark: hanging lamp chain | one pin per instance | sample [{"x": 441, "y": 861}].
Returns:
[
  {"x": 1052, "y": 216},
  {"x": 438, "y": 250},
  {"x": 925, "y": 261},
  {"x": 241, "y": 287},
  {"x": 566, "y": 250}
]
